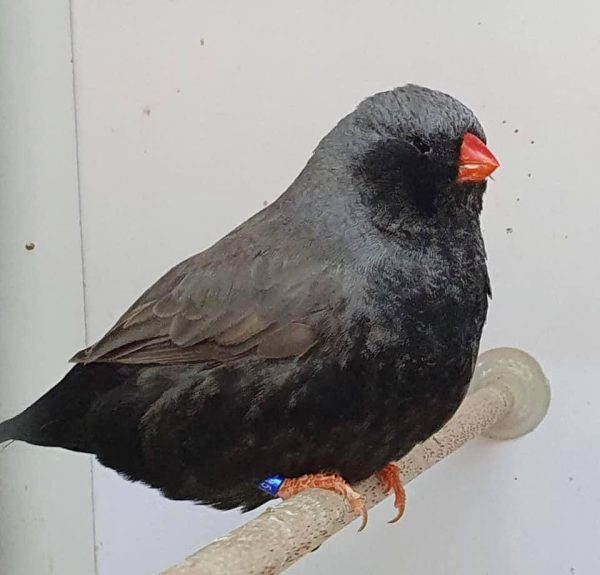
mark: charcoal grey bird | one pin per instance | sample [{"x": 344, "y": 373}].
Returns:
[{"x": 317, "y": 342}]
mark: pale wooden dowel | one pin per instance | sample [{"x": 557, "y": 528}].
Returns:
[{"x": 285, "y": 533}]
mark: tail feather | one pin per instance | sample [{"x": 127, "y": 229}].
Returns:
[
  {"x": 97, "y": 409},
  {"x": 8, "y": 430},
  {"x": 31, "y": 428},
  {"x": 58, "y": 418}
]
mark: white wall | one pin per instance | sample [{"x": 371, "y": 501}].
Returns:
[
  {"x": 192, "y": 114},
  {"x": 46, "y": 523}
]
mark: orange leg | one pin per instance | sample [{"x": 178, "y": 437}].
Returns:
[
  {"x": 390, "y": 477},
  {"x": 331, "y": 482}
]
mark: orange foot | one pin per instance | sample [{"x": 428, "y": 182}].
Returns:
[
  {"x": 331, "y": 482},
  {"x": 390, "y": 477}
]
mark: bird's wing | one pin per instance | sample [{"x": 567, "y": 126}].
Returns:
[{"x": 234, "y": 301}]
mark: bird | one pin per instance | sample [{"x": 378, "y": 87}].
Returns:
[{"x": 313, "y": 345}]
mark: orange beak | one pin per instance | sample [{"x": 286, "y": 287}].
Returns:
[{"x": 476, "y": 162}]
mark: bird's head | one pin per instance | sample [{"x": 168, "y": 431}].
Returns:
[{"x": 413, "y": 151}]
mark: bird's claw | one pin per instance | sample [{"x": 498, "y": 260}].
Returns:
[
  {"x": 389, "y": 476},
  {"x": 330, "y": 482},
  {"x": 397, "y": 517},
  {"x": 358, "y": 506},
  {"x": 392, "y": 481}
]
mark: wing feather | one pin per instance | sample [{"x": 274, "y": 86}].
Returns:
[{"x": 218, "y": 307}]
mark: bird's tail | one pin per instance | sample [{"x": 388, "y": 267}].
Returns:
[
  {"x": 31, "y": 428},
  {"x": 8, "y": 430},
  {"x": 23, "y": 427},
  {"x": 58, "y": 418}
]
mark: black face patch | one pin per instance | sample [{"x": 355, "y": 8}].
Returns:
[{"x": 412, "y": 170}]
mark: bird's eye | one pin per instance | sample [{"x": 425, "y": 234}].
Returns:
[{"x": 420, "y": 144}]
